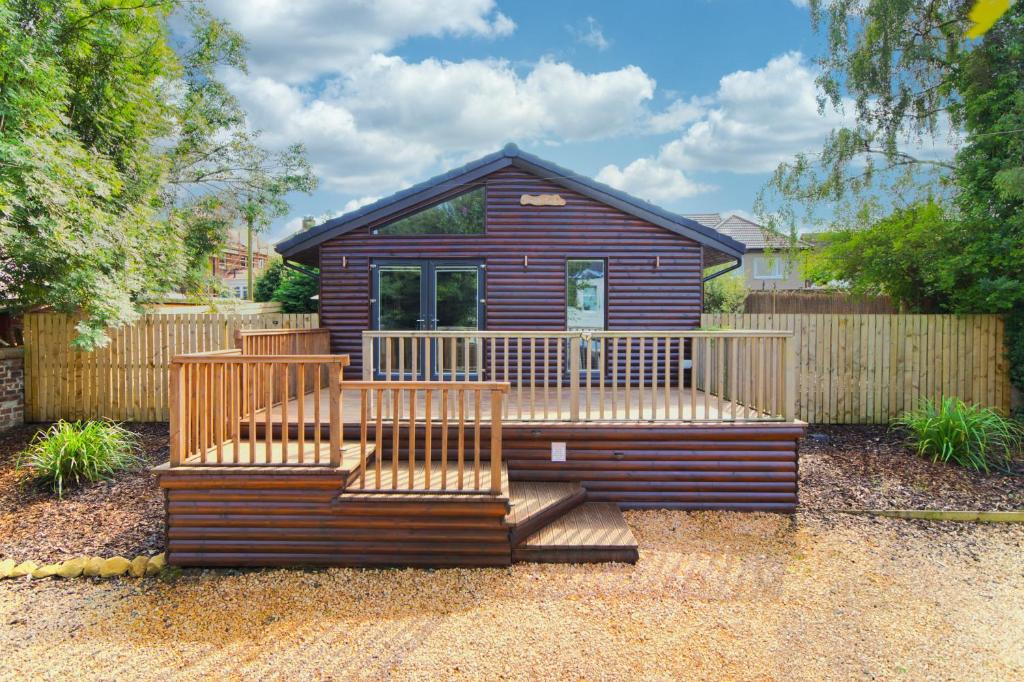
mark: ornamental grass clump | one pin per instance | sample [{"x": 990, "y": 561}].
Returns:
[
  {"x": 71, "y": 454},
  {"x": 972, "y": 436}
]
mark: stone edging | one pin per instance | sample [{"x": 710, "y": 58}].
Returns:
[
  {"x": 939, "y": 515},
  {"x": 86, "y": 566},
  {"x": 7, "y": 353}
]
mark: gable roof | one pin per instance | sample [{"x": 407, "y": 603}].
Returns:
[
  {"x": 721, "y": 247},
  {"x": 709, "y": 219},
  {"x": 755, "y": 236}
]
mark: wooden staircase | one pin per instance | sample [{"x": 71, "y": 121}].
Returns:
[
  {"x": 547, "y": 522},
  {"x": 553, "y": 523}
]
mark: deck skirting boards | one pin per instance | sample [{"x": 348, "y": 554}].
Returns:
[{"x": 743, "y": 467}]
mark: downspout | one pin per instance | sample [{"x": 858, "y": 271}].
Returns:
[
  {"x": 738, "y": 263},
  {"x": 300, "y": 268}
]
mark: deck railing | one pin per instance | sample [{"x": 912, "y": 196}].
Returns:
[
  {"x": 707, "y": 376},
  {"x": 283, "y": 341},
  {"x": 428, "y": 436},
  {"x": 274, "y": 402},
  {"x": 221, "y": 401}
]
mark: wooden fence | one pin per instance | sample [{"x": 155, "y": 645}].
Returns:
[
  {"x": 128, "y": 379},
  {"x": 871, "y": 368},
  {"x": 810, "y": 301}
]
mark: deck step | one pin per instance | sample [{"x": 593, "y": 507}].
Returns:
[
  {"x": 254, "y": 453},
  {"x": 592, "y": 532},
  {"x": 359, "y": 484},
  {"x": 535, "y": 504}
]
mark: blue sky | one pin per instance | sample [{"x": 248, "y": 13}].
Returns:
[{"x": 687, "y": 104}]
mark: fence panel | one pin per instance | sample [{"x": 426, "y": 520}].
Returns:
[
  {"x": 128, "y": 379},
  {"x": 870, "y": 368}
]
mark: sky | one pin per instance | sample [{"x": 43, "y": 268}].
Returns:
[{"x": 687, "y": 104}]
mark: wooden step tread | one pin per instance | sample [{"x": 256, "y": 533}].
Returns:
[
  {"x": 309, "y": 455},
  {"x": 358, "y": 486},
  {"x": 535, "y": 504},
  {"x": 530, "y": 498},
  {"x": 592, "y": 532}
]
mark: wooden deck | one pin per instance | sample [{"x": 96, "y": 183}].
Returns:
[{"x": 547, "y": 405}]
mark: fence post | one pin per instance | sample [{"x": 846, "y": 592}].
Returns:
[
  {"x": 574, "y": 377},
  {"x": 367, "y": 357},
  {"x": 334, "y": 387},
  {"x": 789, "y": 372},
  {"x": 176, "y": 395},
  {"x": 496, "y": 408}
]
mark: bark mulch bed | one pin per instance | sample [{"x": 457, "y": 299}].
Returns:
[
  {"x": 123, "y": 516},
  {"x": 870, "y": 467}
]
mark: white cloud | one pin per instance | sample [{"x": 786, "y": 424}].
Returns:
[
  {"x": 675, "y": 116},
  {"x": 297, "y": 41},
  {"x": 651, "y": 180},
  {"x": 590, "y": 33},
  {"x": 387, "y": 121},
  {"x": 756, "y": 119}
]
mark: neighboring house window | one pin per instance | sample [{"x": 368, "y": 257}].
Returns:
[
  {"x": 768, "y": 268},
  {"x": 463, "y": 214},
  {"x": 242, "y": 291}
]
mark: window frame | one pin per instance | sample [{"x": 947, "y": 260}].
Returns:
[
  {"x": 375, "y": 229},
  {"x": 565, "y": 281},
  {"x": 778, "y": 270}
]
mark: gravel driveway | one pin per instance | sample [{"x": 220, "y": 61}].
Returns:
[{"x": 714, "y": 595}]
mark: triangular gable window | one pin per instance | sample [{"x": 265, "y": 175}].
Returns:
[{"x": 463, "y": 214}]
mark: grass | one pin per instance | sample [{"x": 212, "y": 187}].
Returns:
[
  {"x": 971, "y": 436},
  {"x": 72, "y": 454}
]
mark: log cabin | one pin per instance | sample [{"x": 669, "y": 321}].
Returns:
[{"x": 509, "y": 355}]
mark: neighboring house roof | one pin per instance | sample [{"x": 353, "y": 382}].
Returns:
[
  {"x": 721, "y": 246},
  {"x": 709, "y": 219},
  {"x": 756, "y": 237}
]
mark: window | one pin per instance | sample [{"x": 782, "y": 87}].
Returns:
[
  {"x": 768, "y": 267},
  {"x": 463, "y": 214},
  {"x": 242, "y": 291},
  {"x": 584, "y": 294},
  {"x": 584, "y": 303}
]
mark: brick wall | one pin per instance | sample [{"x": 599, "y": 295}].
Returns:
[{"x": 12, "y": 388}]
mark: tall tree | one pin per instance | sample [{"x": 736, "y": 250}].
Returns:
[
  {"x": 894, "y": 67},
  {"x": 108, "y": 140},
  {"x": 942, "y": 234}
]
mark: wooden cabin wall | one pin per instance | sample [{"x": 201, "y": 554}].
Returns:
[{"x": 639, "y": 294}]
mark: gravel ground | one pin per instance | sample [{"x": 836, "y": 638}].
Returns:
[
  {"x": 714, "y": 595},
  {"x": 816, "y": 596}
]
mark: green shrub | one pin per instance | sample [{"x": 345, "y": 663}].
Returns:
[
  {"x": 725, "y": 294},
  {"x": 951, "y": 430},
  {"x": 74, "y": 453}
]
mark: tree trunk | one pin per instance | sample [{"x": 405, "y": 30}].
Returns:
[{"x": 248, "y": 260}]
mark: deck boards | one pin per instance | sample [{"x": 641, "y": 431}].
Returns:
[
  {"x": 654, "y": 407},
  {"x": 349, "y": 454},
  {"x": 419, "y": 488},
  {"x": 530, "y": 498},
  {"x": 594, "y": 531}
]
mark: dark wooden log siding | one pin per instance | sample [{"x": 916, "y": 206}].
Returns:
[
  {"x": 684, "y": 466},
  {"x": 227, "y": 518},
  {"x": 640, "y": 296}
]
